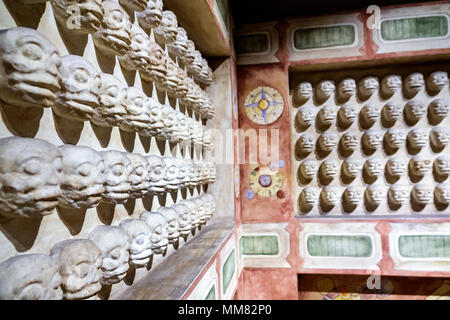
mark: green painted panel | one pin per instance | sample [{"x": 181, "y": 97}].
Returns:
[
  {"x": 228, "y": 270},
  {"x": 252, "y": 43},
  {"x": 324, "y": 37},
  {"x": 223, "y": 11},
  {"x": 424, "y": 246},
  {"x": 211, "y": 294},
  {"x": 339, "y": 246},
  {"x": 413, "y": 28},
  {"x": 259, "y": 245}
]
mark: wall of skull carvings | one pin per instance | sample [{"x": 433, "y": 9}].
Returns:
[{"x": 105, "y": 156}]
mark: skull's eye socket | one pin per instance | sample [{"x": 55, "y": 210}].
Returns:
[
  {"x": 154, "y": 111},
  {"x": 115, "y": 253},
  {"x": 139, "y": 171},
  {"x": 140, "y": 239},
  {"x": 157, "y": 170},
  {"x": 117, "y": 16},
  {"x": 84, "y": 170},
  {"x": 81, "y": 75},
  {"x": 113, "y": 91},
  {"x": 82, "y": 271},
  {"x": 118, "y": 170},
  {"x": 139, "y": 38},
  {"x": 32, "y": 51},
  {"x": 138, "y": 102},
  {"x": 32, "y": 167}
]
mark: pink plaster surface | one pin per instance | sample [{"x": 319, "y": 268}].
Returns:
[{"x": 270, "y": 284}]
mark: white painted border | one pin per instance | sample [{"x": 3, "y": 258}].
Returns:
[
  {"x": 202, "y": 288},
  {"x": 224, "y": 253},
  {"x": 348, "y": 229}
]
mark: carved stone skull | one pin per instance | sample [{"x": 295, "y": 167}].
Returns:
[
  {"x": 309, "y": 196},
  {"x": 134, "y": 5},
  {"x": 136, "y": 117},
  {"x": 352, "y": 167},
  {"x": 167, "y": 30},
  {"x": 303, "y": 92},
  {"x": 325, "y": 89},
  {"x": 418, "y": 138},
  {"x": 206, "y": 74},
  {"x": 140, "y": 246},
  {"x": 348, "y": 113},
  {"x": 139, "y": 175},
  {"x": 156, "y": 70},
  {"x": 346, "y": 88},
  {"x": 415, "y": 110},
  {"x": 171, "y": 217},
  {"x": 112, "y": 99},
  {"x": 437, "y": 81},
  {"x": 353, "y": 195},
  {"x": 184, "y": 219},
  {"x": 420, "y": 165},
  {"x": 189, "y": 57},
  {"x": 193, "y": 214},
  {"x": 414, "y": 83},
  {"x": 395, "y": 138},
  {"x": 391, "y": 84},
  {"x": 305, "y": 143},
  {"x": 90, "y": 17},
  {"x": 171, "y": 174},
  {"x": 309, "y": 168},
  {"x": 328, "y": 140},
  {"x": 329, "y": 169},
  {"x": 114, "y": 244},
  {"x": 80, "y": 263},
  {"x": 422, "y": 194},
  {"x": 439, "y": 109},
  {"x": 80, "y": 85},
  {"x": 28, "y": 68},
  {"x": 331, "y": 195},
  {"x": 372, "y": 139},
  {"x": 158, "y": 229},
  {"x": 305, "y": 116},
  {"x": 155, "y": 121},
  {"x": 370, "y": 113},
  {"x": 327, "y": 114},
  {"x": 137, "y": 57},
  {"x": 30, "y": 277},
  {"x": 171, "y": 82},
  {"x": 156, "y": 172},
  {"x": 113, "y": 37},
  {"x": 442, "y": 193},
  {"x": 442, "y": 165},
  {"x": 375, "y": 194},
  {"x": 82, "y": 177},
  {"x": 374, "y": 167},
  {"x": 398, "y": 194},
  {"x": 30, "y": 172},
  {"x": 180, "y": 46},
  {"x": 152, "y": 15},
  {"x": 196, "y": 67},
  {"x": 350, "y": 141},
  {"x": 117, "y": 177},
  {"x": 397, "y": 167},
  {"x": 392, "y": 111},
  {"x": 368, "y": 86},
  {"x": 440, "y": 137},
  {"x": 169, "y": 118}
]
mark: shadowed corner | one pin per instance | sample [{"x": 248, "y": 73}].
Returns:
[
  {"x": 130, "y": 205},
  {"x": 103, "y": 134},
  {"x": 68, "y": 130},
  {"x": 105, "y": 212},
  {"x": 128, "y": 139},
  {"x": 21, "y": 232},
  {"x": 23, "y": 122},
  {"x": 73, "y": 219},
  {"x": 25, "y": 15}
]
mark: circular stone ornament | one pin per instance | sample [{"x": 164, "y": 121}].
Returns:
[
  {"x": 265, "y": 182},
  {"x": 264, "y": 105}
]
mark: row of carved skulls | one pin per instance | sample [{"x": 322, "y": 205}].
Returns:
[
  {"x": 36, "y": 176},
  {"x": 375, "y": 167},
  {"x": 374, "y": 195},
  {"x": 413, "y": 111},
  {"x": 32, "y": 74},
  {"x": 371, "y": 140},
  {"x": 369, "y": 86},
  {"x": 114, "y": 33},
  {"x": 77, "y": 268}
]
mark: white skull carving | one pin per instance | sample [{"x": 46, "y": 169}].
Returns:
[
  {"x": 139, "y": 175},
  {"x": 28, "y": 68},
  {"x": 184, "y": 219},
  {"x": 309, "y": 168},
  {"x": 442, "y": 165},
  {"x": 197, "y": 138},
  {"x": 328, "y": 140},
  {"x": 418, "y": 138},
  {"x": 155, "y": 121},
  {"x": 114, "y": 244},
  {"x": 348, "y": 113},
  {"x": 196, "y": 67},
  {"x": 117, "y": 177},
  {"x": 331, "y": 195},
  {"x": 305, "y": 116},
  {"x": 346, "y": 88},
  {"x": 437, "y": 81},
  {"x": 391, "y": 84},
  {"x": 396, "y": 167},
  {"x": 205, "y": 75},
  {"x": 422, "y": 194},
  {"x": 368, "y": 86},
  {"x": 30, "y": 277},
  {"x": 374, "y": 167},
  {"x": 29, "y": 177},
  {"x": 329, "y": 169},
  {"x": 415, "y": 110},
  {"x": 370, "y": 113},
  {"x": 440, "y": 137},
  {"x": 134, "y": 5},
  {"x": 352, "y": 167},
  {"x": 327, "y": 114},
  {"x": 167, "y": 30},
  {"x": 156, "y": 171},
  {"x": 210, "y": 204},
  {"x": 113, "y": 37},
  {"x": 82, "y": 177},
  {"x": 179, "y": 47},
  {"x": 414, "y": 83},
  {"x": 137, "y": 57},
  {"x": 158, "y": 228},
  {"x": 90, "y": 18},
  {"x": 420, "y": 165},
  {"x": 372, "y": 139},
  {"x": 171, "y": 174},
  {"x": 171, "y": 217},
  {"x": 353, "y": 195},
  {"x": 325, "y": 89},
  {"x": 309, "y": 195},
  {"x": 375, "y": 194},
  {"x": 80, "y": 84},
  {"x": 136, "y": 117},
  {"x": 152, "y": 15},
  {"x": 305, "y": 143},
  {"x": 392, "y": 111},
  {"x": 442, "y": 193},
  {"x": 112, "y": 99},
  {"x": 140, "y": 247},
  {"x": 156, "y": 70},
  {"x": 398, "y": 194},
  {"x": 395, "y": 138},
  {"x": 303, "y": 92},
  {"x": 169, "y": 118},
  {"x": 80, "y": 261},
  {"x": 189, "y": 57},
  {"x": 350, "y": 141},
  {"x": 193, "y": 214},
  {"x": 439, "y": 109}
]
